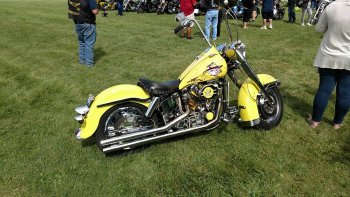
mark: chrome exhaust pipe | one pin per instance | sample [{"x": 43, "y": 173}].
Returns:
[
  {"x": 164, "y": 136},
  {"x": 148, "y": 132}
]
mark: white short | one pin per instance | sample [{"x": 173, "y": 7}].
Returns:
[{"x": 190, "y": 17}]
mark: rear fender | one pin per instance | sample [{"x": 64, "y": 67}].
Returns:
[
  {"x": 247, "y": 99},
  {"x": 108, "y": 98}
]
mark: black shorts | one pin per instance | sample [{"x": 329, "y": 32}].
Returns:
[
  {"x": 267, "y": 15},
  {"x": 247, "y": 14}
]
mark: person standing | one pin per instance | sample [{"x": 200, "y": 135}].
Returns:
[
  {"x": 291, "y": 12},
  {"x": 187, "y": 7},
  {"x": 255, "y": 9},
  {"x": 306, "y": 7},
  {"x": 267, "y": 13},
  {"x": 333, "y": 62},
  {"x": 247, "y": 11},
  {"x": 83, "y": 13},
  {"x": 211, "y": 18},
  {"x": 120, "y": 7}
]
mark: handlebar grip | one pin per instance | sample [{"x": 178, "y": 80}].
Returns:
[{"x": 177, "y": 29}]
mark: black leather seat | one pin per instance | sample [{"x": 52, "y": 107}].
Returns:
[{"x": 156, "y": 88}]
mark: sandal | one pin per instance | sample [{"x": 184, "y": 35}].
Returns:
[
  {"x": 336, "y": 126},
  {"x": 312, "y": 124}
]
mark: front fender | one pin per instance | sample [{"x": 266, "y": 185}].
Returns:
[
  {"x": 247, "y": 99},
  {"x": 108, "y": 98}
]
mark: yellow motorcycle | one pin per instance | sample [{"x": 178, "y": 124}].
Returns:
[
  {"x": 125, "y": 116},
  {"x": 105, "y": 5}
]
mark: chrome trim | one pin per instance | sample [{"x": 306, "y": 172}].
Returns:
[
  {"x": 178, "y": 102},
  {"x": 164, "y": 136},
  {"x": 250, "y": 123},
  {"x": 90, "y": 100},
  {"x": 79, "y": 118},
  {"x": 77, "y": 134},
  {"x": 82, "y": 110},
  {"x": 152, "y": 107},
  {"x": 145, "y": 133}
]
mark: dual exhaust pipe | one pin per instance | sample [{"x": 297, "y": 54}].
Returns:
[{"x": 130, "y": 140}]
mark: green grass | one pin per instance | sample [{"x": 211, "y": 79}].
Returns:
[{"x": 41, "y": 83}]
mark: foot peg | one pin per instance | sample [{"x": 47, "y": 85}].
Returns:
[{"x": 230, "y": 114}]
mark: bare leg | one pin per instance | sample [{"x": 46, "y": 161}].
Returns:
[
  {"x": 253, "y": 15},
  {"x": 188, "y": 32},
  {"x": 245, "y": 25}
]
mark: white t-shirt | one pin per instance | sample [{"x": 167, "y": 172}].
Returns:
[{"x": 334, "y": 51}]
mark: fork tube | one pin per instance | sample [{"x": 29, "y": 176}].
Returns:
[
  {"x": 253, "y": 76},
  {"x": 226, "y": 95},
  {"x": 233, "y": 78}
]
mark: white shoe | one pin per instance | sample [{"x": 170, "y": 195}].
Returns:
[
  {"x": 270, "y": 27},
  {"x": 263, "y": 27},
  {"x": 302, "y": 24},
  {"x": 308, "y": 24}
]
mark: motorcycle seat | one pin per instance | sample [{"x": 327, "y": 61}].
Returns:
[{"x": 155, "y": 88}]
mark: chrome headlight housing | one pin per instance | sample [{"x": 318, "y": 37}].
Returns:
[
  {"x": 90, "y": 99},
  {"x": 83, "y": 110}
]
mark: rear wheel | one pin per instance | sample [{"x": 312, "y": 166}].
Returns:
[
  {"x": 124, "y": 119},
  {"x": 270, "y": 113}
]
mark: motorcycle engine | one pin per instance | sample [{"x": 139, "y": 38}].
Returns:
[{"x": 202, "y": 102}]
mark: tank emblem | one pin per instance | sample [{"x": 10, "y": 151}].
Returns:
[{"x": 213, "y": 69}]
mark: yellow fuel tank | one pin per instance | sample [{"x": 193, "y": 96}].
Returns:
[{"x": 207, "y": 66}]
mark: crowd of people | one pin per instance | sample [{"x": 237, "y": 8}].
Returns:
[{"x": 332, "y": 59}]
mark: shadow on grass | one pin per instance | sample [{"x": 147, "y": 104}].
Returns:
[
  {"x": 99, "y": 53},
  {"x": 88, "y": 142},
  {"x": 300, "y": 106},
  {"x": 139, "y": 149},
  {"x": 344, "y": 155}
]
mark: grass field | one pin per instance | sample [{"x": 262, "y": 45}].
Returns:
[{"x": 42, "y": 82}]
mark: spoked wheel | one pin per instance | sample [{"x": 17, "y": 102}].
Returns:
[
  {"x": 124, "y": 119},
  {"x": 270, "y": 113}
]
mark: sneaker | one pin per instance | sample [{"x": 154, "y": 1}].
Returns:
[
  {"x": 302, "y": 24},
  {"x": 263, "y": 27},
  {"x": 308, "y": 24},
  {"x": 270, "y": 27}
]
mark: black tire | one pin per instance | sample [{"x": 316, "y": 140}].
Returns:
[
  {"x": 271, "y": 116},
  {"x": 117, "y": 118}
]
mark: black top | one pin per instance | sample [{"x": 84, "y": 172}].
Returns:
[
  {"x": 80, "y": 11},
  {"x": 248, "y": 4}
]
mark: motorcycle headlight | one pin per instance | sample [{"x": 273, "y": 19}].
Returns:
[{"x": 82, "y": 110}]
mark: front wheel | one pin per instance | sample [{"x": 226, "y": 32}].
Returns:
[
  {"x": 270, "y": 113},
  {"x": 124, "y": 119}
]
